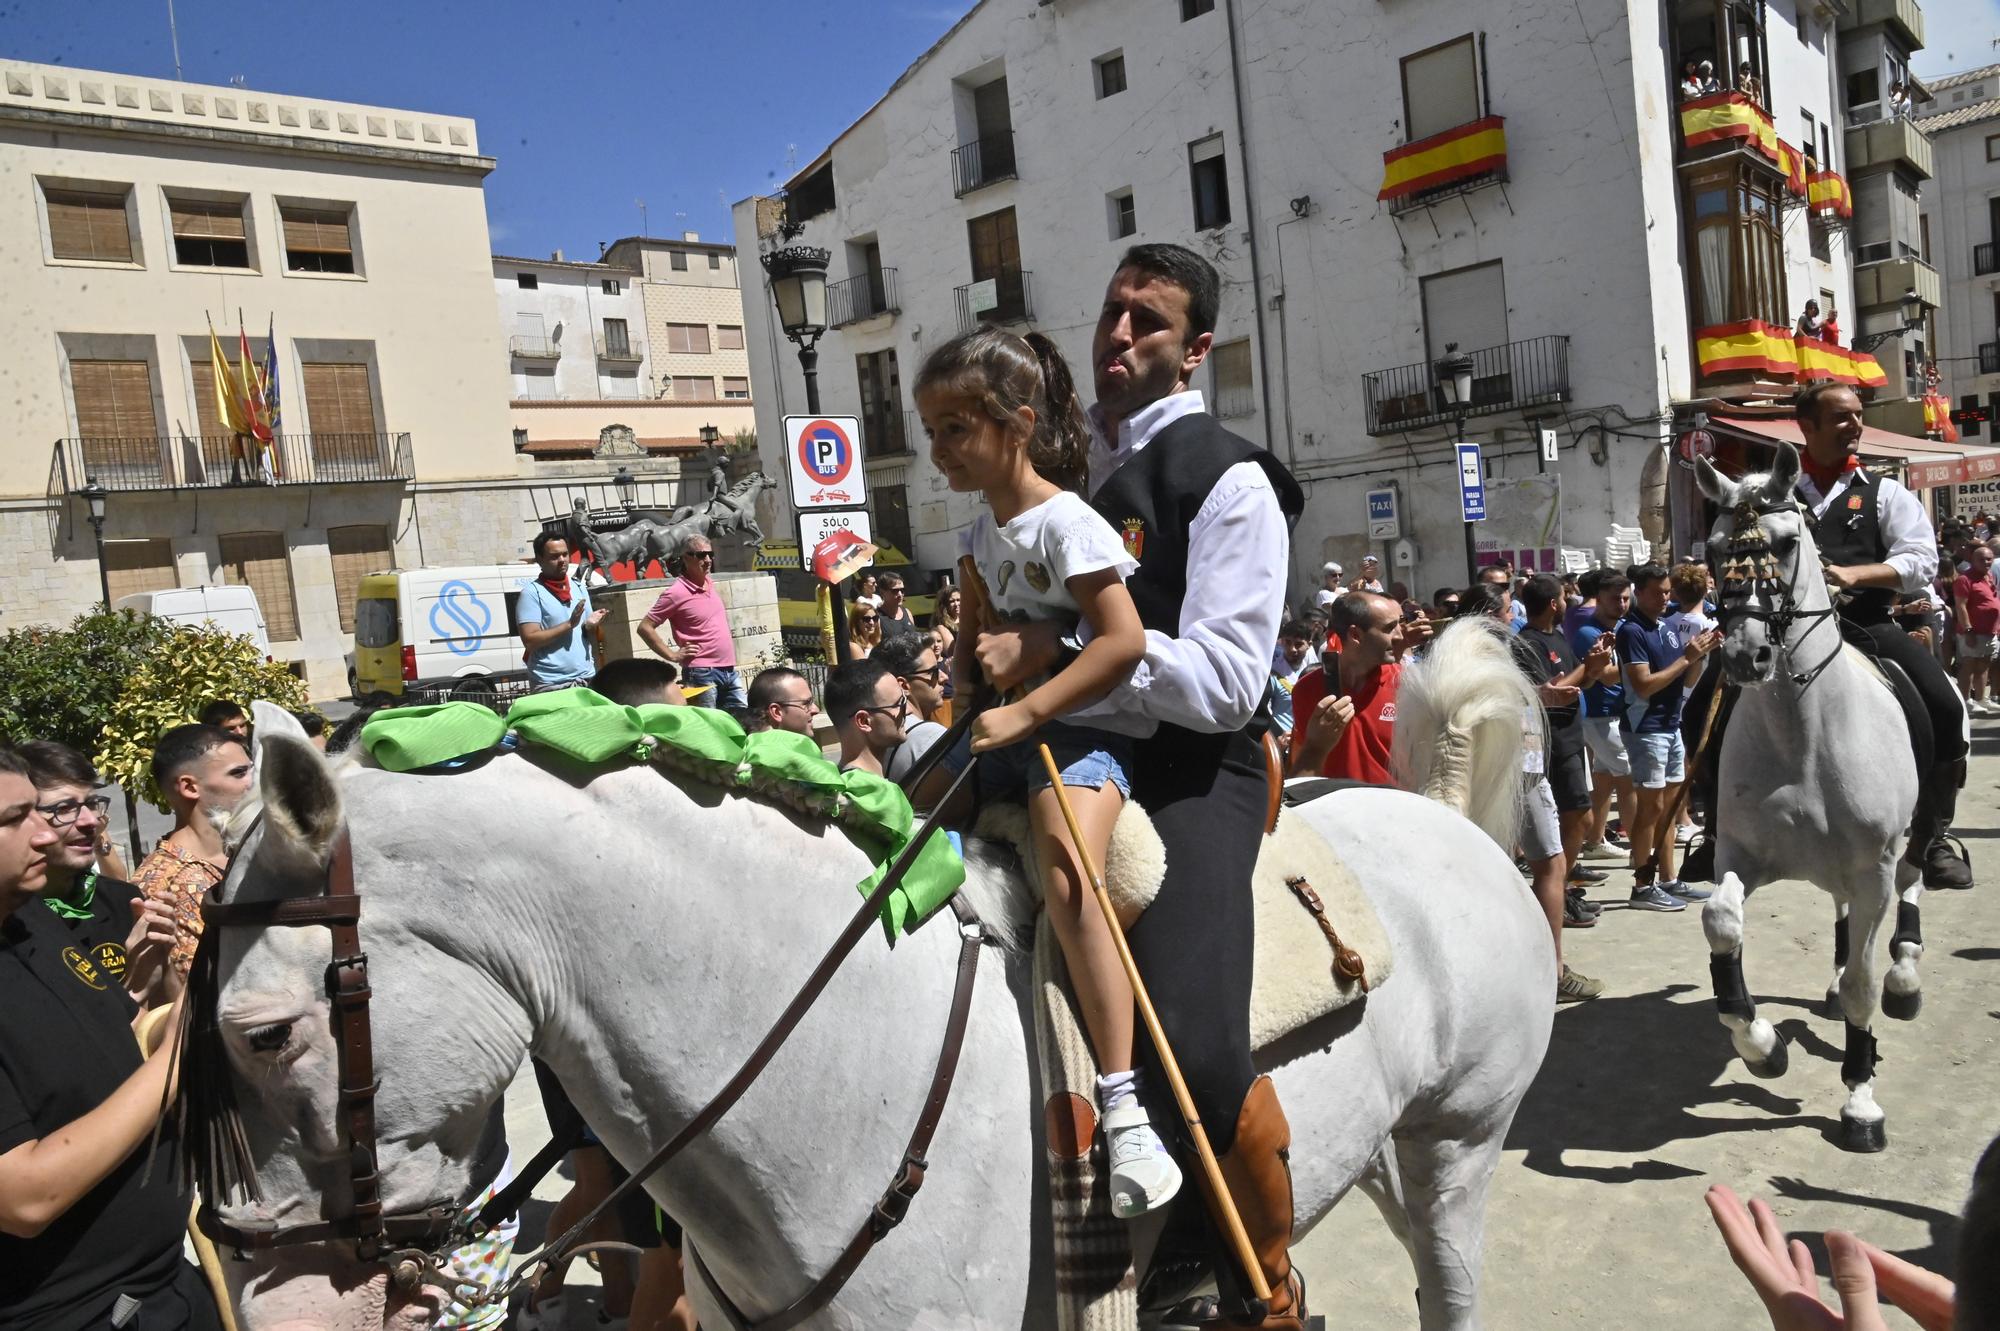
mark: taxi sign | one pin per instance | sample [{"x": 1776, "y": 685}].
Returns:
[{"x": 823, "y": 459}]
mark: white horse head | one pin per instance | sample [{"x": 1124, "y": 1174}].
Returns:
[{"x": 1766, "y": 565}]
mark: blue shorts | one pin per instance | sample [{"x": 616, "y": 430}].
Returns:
[
  {"x": 1659, "y": 758},
  {"x": 1086, "y": 757}
]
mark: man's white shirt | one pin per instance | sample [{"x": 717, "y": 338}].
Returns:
[
  {"x": 1900, "y": 515},
  {"x": 1212, "y": 675}
]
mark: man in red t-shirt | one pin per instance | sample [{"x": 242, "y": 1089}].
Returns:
[
  {"x": 1346, "y": 732},
  {"x": 1976, "y": 603}
]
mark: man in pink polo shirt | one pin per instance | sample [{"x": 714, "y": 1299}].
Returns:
[{"x": 693, "y": 609}]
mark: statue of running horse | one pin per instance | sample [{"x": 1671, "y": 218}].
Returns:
[{"x": 635, "y": 931}]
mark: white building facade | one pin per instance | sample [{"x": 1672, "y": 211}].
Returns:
[
  {"x": 1961, "y": 220},
  {"x": 1600, "y": 248}
]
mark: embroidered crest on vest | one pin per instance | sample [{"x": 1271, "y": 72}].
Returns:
[{"x": 1134, "y": 537}]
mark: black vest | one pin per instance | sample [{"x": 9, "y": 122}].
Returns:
[
  {"x": 1151, "y": 500},
  {"x": 1850, "y": 532}
]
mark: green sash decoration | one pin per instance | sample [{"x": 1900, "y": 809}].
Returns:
[{"x": 590, "y": 729}]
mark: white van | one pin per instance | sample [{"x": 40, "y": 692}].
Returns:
[
  {"x": 426, "y": 634},
  {"x": 230, "y": 609}
]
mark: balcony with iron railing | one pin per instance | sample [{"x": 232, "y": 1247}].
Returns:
[
  {"x": 1984, "y": 260},
  {"x": 207, "y": 462},
  {"x": 1989, "y": 357},
  {"x": 1504, "y": 378},
  {"x": 982, "y": 162},
  {"x": 534, "y": 348},
  {"x": 1012, "y": 296},
  {"x": 861, "y": 297},
  {"x": 619, "y": 350}
]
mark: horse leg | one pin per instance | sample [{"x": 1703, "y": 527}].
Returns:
[
  {"x": 1383, "y": 1185},
  {"x": 1861, "y": 1119},
  {"x": 1832, "y": 1008},
  {"x": 1763, "y": 1049},
  {"x": 1902, "y": 988},
  {"x": 1445, "y": 1181}
]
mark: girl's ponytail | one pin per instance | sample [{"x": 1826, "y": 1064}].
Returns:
[{"x": 1061, "y": 450}]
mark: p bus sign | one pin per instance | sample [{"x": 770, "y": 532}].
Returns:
[{"x": 823, "y": 459}]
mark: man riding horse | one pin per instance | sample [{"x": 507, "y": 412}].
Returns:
[
  {"x": 1207, "y": 515},
  {"x": 1877, "y": 544}
]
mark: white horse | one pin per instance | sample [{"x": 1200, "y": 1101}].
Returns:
[
  {"x": 636, "y": 932},
  {"x": 1818, "y": 780}
]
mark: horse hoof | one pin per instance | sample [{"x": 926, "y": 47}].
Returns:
[
  {"x": 1830, "y": 1006},
  {"x": 1774, "y": 1064},
  {"x": 1902, "y": 1007},
  {"x": 1863, "y": 1135}
]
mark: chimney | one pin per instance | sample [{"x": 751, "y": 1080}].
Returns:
[
  {"x": 556, "y": 255},
  {"x": 691, "y": 235}
]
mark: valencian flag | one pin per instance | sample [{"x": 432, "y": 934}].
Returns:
[{"x": 1456, "y": 154}]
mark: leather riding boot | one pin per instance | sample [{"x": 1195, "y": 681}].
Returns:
[
  {"x": 1258, "y": 1170},
  {"x": 1943, "y": 866}
]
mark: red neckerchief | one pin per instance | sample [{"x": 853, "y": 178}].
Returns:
[
  {"x": 1825, "y": 478},
  {"x": 558, "y": 586}
]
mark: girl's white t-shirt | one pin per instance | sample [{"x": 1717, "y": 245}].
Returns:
[{"x": 1028, "y": 562}]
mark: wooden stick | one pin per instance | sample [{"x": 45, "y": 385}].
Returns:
[{"x": 1239, "y": 1238}]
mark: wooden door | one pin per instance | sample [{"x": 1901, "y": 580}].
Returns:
[{"x": 996, "y": 255}]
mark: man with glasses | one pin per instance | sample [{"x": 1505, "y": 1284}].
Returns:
[
  {"x": 897, "y": 619},
  {"x": 692, "y": 607},
  {"x": 868, "y": 708},
  {"x": 913, "y": 660},
  {"x": 781, "y": 699}
]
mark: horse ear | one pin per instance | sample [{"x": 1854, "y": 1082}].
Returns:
[
  {"x": 1784, "y": 476},
  {"x": 1720, "y": 490},
  {"x": 301, "y": 799}
]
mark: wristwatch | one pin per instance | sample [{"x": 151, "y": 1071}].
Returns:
[{"x": 1068, "y": 647}]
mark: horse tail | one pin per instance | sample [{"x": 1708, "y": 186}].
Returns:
[{"x": 1460, "y": 709}]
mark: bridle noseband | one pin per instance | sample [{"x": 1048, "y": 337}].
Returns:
[{"x": 1749, "y": 567}]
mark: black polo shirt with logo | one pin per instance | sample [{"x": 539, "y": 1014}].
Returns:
[{"x": 65, "y": 1044}]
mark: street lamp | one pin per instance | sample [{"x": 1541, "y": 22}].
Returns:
[
  {"x": 1454, "y": 381},
  {"x": 1913, "y": 309},
  {"x": 94, "y": 495},
  {"x": 798, "y": 285},
  {"x": 627, "y": 486},
  {"x": 709, "y": 434}
]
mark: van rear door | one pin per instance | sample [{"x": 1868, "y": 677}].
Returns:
[{"x": 378, "y": 639}]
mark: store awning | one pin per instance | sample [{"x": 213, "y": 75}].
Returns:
[{"x": 1926, "y": 463}]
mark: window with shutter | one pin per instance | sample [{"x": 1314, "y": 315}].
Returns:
[
  {"x": 341, "y": 410},
  {"x": 357, "y": 551},
  {"x": 88, "y": 224},
  {"x": 114, "y": 417},
  {"x": 687, "y": 339},
  {"x": 139, "y": 566},
  {"x": 257, "y": 560},
  {"x": 208, "y": 234},
  {"x": 729, "y": 337},
  {"x": 735, "y": 388},
  {"x": 317, "y": 240},
  {"x": 694, "y": 387}
]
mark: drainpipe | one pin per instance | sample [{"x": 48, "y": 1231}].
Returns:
[{"x": 1250, "y": 211}]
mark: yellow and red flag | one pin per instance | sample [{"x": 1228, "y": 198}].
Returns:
[
  {"x": 228, "y": 408},
  {"x": 1750, "y": 344},
  {"x": 1937, "y": 418},
  {"x": 1793, "y": 163},
  {"x": 1456, "y": 154},
  {"x": 1728, "y": 115},
  {"x": 1827, "y": 192}
]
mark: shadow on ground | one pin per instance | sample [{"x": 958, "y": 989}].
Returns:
[
  {"x": 1623, "y": 1073},
  {"x": 1938, "y": 1255}
]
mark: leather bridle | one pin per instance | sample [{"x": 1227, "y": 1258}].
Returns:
[{"x": 1749, "y": 566}]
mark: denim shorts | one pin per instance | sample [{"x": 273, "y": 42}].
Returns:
[
  {"x": 1085, "y": 757},
  {"x": 1659, "y": 758}
]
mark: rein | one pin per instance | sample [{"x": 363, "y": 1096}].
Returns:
[
  {"x": 1749, "y": 567},
  {"x": 416, "y": 1244}
]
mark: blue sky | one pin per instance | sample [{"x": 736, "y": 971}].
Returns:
[{"x": 588, "y": 105}]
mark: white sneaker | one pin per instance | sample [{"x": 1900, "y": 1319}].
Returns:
[{"x": 1144, "y": 1176}]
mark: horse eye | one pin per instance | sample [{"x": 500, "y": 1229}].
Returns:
[{"x": 270, "y": 1039}]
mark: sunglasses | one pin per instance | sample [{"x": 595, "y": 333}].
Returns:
[
  {"x": 898, "y": 711},
  {"x": 867, "y": 619},
  {"x": 699, "y": 554},
  {"x": 931, "y": 674}
]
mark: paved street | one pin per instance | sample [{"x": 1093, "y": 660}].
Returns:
[{"x": 1597, "y": 1219}]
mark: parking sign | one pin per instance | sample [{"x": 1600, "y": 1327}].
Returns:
[{"x": 823, "y": 458}]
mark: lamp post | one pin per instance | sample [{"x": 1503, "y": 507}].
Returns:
[
  {"x": 1454, "y": 381},
  {"x": 94, "y": 495},
  {"x": 1913, "y": 318},
  {"x": 798, "y": 285},
  {"x": 709, "y": 434},
  {"x": 626, "y": 485}
]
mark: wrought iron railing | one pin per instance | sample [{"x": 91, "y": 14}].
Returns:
[
  {"x": 619, "y": 349},
  {"x": 1506, "y": 377},
  {"x": 534, "y": 348},
  {"x": 988, "y": 158},
  {"x": 862, "y": 297},
  {"x": 1013, "y": 297},
  {"x": 1984, "y": 260},
  {"x": 203, "y": 462},
  {"x": 1989, "y": 358}
]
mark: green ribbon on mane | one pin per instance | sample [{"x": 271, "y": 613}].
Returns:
[{"x": 589, "y": 729}]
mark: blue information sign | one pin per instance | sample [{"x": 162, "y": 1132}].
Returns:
[{"x": 1471, "y": 484}]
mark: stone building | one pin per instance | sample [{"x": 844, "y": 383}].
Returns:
[{"x": 1961, "y": 225}]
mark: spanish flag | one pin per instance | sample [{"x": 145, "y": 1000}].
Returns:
[
  {"x": 1728, "y": 115},
  {"x": 1750, "y": 344},
  {"x": 1827, "y": 192},
  {"x": 1937, "y": 418},
  {"x": 1456, "y": 154},
  {"x": 1793, "y": 163}
]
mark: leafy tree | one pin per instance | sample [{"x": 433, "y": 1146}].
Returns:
[
  {"x": 64, "y": 684},
  {"x": 190, "y": 667}
]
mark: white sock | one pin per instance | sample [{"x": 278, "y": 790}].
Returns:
[{"x": 1118, "y": 1089}]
